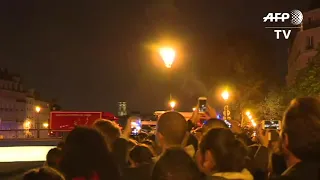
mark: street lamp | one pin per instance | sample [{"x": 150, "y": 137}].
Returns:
[
  {"x": 225, "y": 95},
  {"x": 38, "y": 109},
  {"x": 194, "y": 109},
  {"x": 45, "y": 125},
  {"x": 248, "y": 113},
  {"x": 254, "y": 124},
  {"x": 27, "y": 125},
  {"x": 172, "y": 104},
  {"x": 167, "y": 54}
]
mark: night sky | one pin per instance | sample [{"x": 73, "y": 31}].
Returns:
[{"x": 92, "y": 54}]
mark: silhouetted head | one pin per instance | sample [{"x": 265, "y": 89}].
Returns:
[
  {"x": 85, "y": 153},
  {"x": 109, "y": 129},
  {"x": 149, "y": 143},
  {"x": 174, "y": 164},
  {"x": 213, "y": 123},
  {"x": 300, "y": 133},
  {"x": 141, "y": 154},
  {"x": 44, "y": 173},
  {"x": 54, "y": 157},
  {"x": 171, "y": 129},
  {"x": 142, "y": 136},
  {"x": 221, "y": 151}
]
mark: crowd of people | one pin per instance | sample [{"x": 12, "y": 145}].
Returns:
[{"x": 179, "y": 150}]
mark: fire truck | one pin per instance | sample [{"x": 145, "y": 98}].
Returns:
[{"x": 62, "y": 122}]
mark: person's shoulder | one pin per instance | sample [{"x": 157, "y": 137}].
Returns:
[
  {"x": 120, "y": 144},
  {"x": 303, "y": 170},
  {"x": 120, "y": 141}
]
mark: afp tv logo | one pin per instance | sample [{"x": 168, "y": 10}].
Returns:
[{"x": 295, "y": 17}]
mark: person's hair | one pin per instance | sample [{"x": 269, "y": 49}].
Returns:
[
  {"x": 142, "y": 154},
  {"x": 120, "y": 151},
  {"x": 213, "y": 123},
  {"x": 148, "y": 142},
  {"x": 53, "y": 157},
  {"x": 190, "y": 125},
  {"x": 174, "y": 164},
  {"x": 132, "y": 143},
  {"x": 229, "y": 153},
  {"x": 109, "y": 129},
  {"x": 245, "y": 139},
  {"x": 301, "y": 123},
  {"x": 44, "y": 173},
  {"x": 86, "y": 153},
  {"x": 192, "y": 140},
  {"x": 173, "y": 127},
  {"x": 142, "y": 136}
]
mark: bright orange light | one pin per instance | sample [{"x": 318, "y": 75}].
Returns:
[
  {"x": 27, "y": 124},
  {"x": 225, "y": 95},
  {"x": 172, "y": 104},
  {"x": 248, "y": 113},
  {"x": 253, "y": 123},
  {"x": 45, "y": 125},
  {"x": 167, "y": 54},
  {"x": 194, "y": 109},
  {"x": 38, "y": 109}
]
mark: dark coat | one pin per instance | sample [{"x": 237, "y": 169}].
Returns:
[{"x": 302, "y": 171}]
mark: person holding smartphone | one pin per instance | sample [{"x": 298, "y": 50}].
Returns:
[
  {"x": 202, "y": 111},
  {"x": 206, "y": 112}
]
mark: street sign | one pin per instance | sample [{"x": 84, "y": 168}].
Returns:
[{"x": 226, "y": 107}]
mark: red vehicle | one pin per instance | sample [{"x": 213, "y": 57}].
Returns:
[{"x": 62, "y": 122}]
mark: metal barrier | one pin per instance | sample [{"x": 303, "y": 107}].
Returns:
[{"x": 24, "y": 134}]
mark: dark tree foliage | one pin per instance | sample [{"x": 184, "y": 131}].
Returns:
[
  {"x": 307, "y": 82},
  {"x": 272, "y": 107},
  {"x": 248, "y": 86}
]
